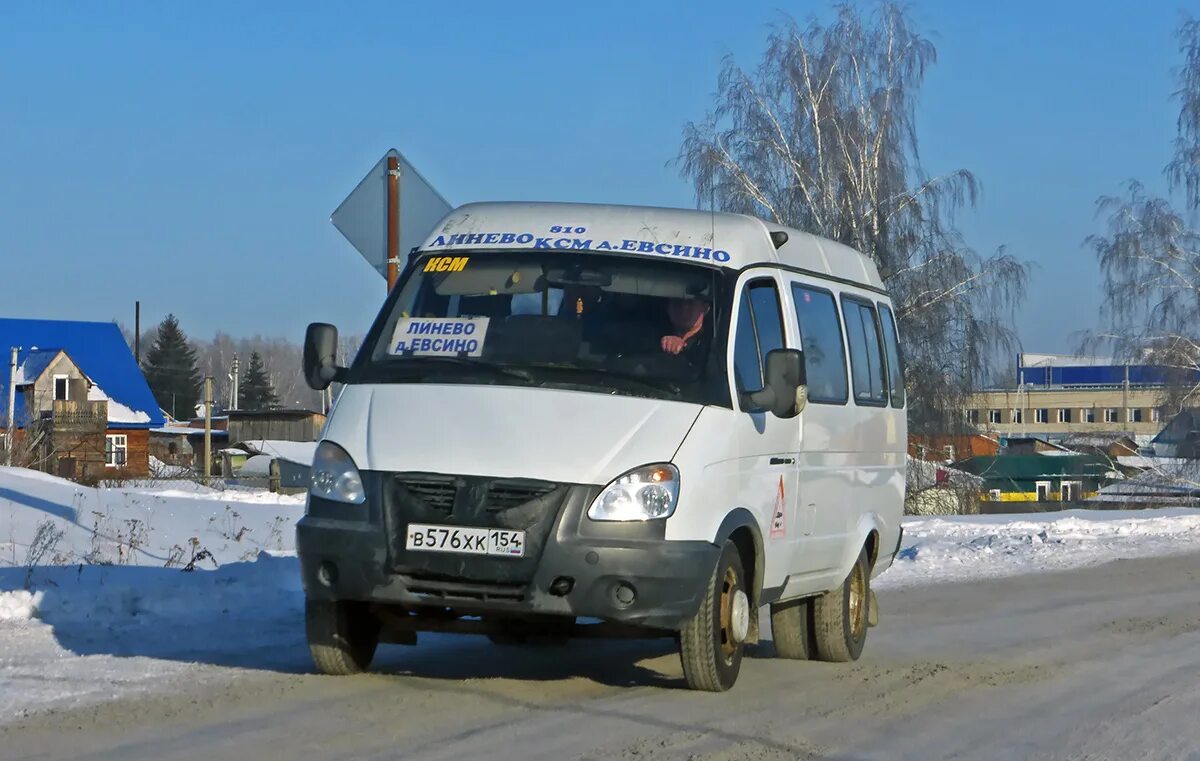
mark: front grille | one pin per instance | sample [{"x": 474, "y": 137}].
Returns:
[
  {"x": 447, "y": 499},
  {"x": 504, "y": 494},
  {"x": 476, "y": 591},
  {"x": 435, "y": 491}
]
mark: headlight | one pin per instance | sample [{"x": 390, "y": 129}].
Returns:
[
  {"x": 643, "y": 494},
  {"x": 334, "y": 475}
]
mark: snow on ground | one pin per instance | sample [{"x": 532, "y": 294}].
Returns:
[
  {"x": 100, "y": 615},
  {"x": 96, "y": 601},
  {"x": 166, "y": 523},
  {"x": 965, "y": 547},
  {"x": 102, "y": 632}
]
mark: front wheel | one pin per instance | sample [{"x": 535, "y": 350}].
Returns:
[
  {"x": 711, "y": 643},
  {"x": 840, "y": 616},
  {"x": 342, "y": 635}
]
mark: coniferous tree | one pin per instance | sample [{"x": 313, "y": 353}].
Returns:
[
  {"x": 257, "y": 393},
  {"x": 170, "y": 369}
]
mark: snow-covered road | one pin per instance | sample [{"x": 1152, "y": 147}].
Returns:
[{"x": 219, "y": 652}]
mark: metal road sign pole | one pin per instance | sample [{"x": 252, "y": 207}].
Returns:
[
  {"x": 393, "y": 220},
  {"x": 389, "y": 213}
]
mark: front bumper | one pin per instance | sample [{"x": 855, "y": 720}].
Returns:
[{"x": 346, "y": 554}]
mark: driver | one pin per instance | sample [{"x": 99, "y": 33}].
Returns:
[{"x": 687, "y": 320}]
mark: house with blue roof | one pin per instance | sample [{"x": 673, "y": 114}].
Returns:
[{"x": 75, "y": 398}]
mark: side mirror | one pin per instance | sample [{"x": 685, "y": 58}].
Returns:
[
  {"x": 785, "y": 392},
  {"x": 320, "y": 356}
]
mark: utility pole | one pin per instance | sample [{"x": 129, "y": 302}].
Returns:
[
  {"x": 233, "y": 377},
  {"x": 12, "y": 404},
  {"x": 207, "y": 428},
  {"x": 137, "y": 332}
]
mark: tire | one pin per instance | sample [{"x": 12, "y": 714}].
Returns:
[
  {"x": 708, "y": 643},
  {"x": 791, "y": 628},
  {"x": 840, "y": 616},
  {"x": 342, "y": 636}
]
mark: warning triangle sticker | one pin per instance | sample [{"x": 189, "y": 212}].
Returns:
[{"x": 779, "y": 515}]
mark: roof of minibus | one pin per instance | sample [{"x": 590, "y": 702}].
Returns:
[{"x": 729, "y": 240}]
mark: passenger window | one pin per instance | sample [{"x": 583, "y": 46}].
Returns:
[
  {"x": 821, "y": 338},
  {"x": 759, "y": 330},
  {"x": 891, "y": 342},
  {"x": 866, "y": 355}
]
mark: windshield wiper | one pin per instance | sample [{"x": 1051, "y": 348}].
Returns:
[
  {"x": 658, "y": 385},
  {"x": 493, "y": 367}
]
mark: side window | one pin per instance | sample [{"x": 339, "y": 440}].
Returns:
[
  {"x": 759, "y": 330},
  {"x": 821, "y": 339},
  {"x": 866, "y": 355},
  {"x": 891, "y": 343}
]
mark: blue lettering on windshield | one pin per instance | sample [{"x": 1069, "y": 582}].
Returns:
[
  {"x": 439, "y": 336},
  {"x": 580, "y": 244}
]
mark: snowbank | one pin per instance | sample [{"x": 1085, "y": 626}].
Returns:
[
  {"x": 961, "y": 548},
  {"x": 46, "y": 520},
  {"x": 19, "y": 605}
]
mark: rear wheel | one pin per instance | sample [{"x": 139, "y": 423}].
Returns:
[
  {"x": 791, "y": 628},
  {"x": 840, "y": 616},
  {"x": 711, "y": 643},
  {"x": 342, "y": 635}
]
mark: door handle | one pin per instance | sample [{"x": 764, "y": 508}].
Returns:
[{"x": 783, "y": 460}]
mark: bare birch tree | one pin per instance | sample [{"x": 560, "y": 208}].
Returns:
[
  {"x": 822, "y": 136},
  {"x": 1150, "y": 252}
]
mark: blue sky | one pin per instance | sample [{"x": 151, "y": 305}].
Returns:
[{"x": 190, "y": 155}]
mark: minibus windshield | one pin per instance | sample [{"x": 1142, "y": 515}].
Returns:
[{"x": 613, "y": 324}]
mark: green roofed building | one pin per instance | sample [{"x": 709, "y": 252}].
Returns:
[{"x": 1039, "y": 478}]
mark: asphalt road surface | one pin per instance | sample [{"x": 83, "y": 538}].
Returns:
[{"x": 1102, "y": 663}]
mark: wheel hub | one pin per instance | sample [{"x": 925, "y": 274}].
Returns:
[
  {"x": 740, "y": 617},
  {"x": 858, "y": 603}
]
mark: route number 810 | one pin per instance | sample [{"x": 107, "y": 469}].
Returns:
[{"x": 567, "y": 229}]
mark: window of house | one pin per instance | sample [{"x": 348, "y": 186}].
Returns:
[
  {"x": 759, "y": 330},
  {"x": 1018, "y": 416},
  {"x": 994, "y": 416},
  {"x": 1155, "y": 415},
  {"x": 891, "y": 343},
  {"x": 973, "y": 417},
  {"x": 1110, "y": 415},
  {"x": 1135, "y": 415},
  {"x": 1041, "y": 415},
  {"x": 866, "y": 354},
  {"x": 62, "y": 387},
  {"x": 1043, "y": 491},
  {"x": 116, "y": 448},
  {"x": 949, "y": 449},
  {"x": 821, "y": 339},
  {"x": 1087, "y": 415},
  {"x": 1064, "y": 415}
]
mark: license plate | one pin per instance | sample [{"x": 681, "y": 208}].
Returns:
[{"x": 466, "y": 540}]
